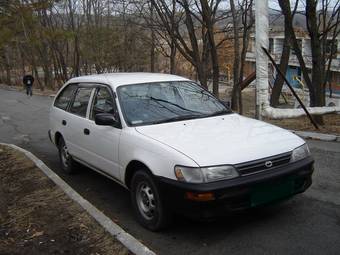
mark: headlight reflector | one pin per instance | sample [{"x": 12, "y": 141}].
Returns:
[
  {"x": 189, "y": 174},
  {"x": 300, "y": 153},
  {"x": 219, "y": 172},
  {"x": 205, "y": 174}
]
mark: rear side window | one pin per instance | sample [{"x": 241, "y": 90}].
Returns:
[
  {"x": 65, "y": 97},
  {"x": 81, "y": 101}
]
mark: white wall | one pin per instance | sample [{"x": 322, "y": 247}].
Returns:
[{"x": 278, "y": 45}]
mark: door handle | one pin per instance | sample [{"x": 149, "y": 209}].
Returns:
[
  {"x": 86, "y": 131},
  {"x": 64, "y": 122}
]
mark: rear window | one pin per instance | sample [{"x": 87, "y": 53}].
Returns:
[{"x": 65, "y": 97}]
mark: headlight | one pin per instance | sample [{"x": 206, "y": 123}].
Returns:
[
  {"x": 300, "y": 153},
  {"x": 205, "y": 174}
]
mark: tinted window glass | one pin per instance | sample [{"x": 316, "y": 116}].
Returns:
[
  {"x": 81, "y": 101},
  {"x": 103, "y": 103},
  {"x": 65, "y": 97}
]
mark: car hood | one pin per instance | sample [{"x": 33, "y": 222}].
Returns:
[{"x": 226, "y": 139}]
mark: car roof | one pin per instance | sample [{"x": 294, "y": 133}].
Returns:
[{"x": 118, "y": 79}]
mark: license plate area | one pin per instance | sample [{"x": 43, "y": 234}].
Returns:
[{"x": 270, "y": 192}]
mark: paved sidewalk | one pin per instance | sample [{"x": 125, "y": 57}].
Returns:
[{"x": 317, "y": 136}]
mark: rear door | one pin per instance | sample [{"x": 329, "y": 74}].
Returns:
[
  {"x": 59, "y": 115},
  {"x": 78, "y": 124}
]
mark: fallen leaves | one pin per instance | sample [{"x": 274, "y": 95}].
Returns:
[{"x": 36, "y": 234}]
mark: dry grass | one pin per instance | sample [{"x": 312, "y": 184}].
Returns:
[
  {"x": 332, "y": 124},
  {"x": 36, "y": 217}
]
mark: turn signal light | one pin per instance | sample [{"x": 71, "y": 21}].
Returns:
[{"x": 208, "y": 196}]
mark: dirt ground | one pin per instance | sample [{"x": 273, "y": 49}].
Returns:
[
  {"x": 36, "y": 217},
  {"x": 332, "y": 124}
]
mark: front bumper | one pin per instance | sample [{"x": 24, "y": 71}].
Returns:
[{"x": 235, "y": 194}]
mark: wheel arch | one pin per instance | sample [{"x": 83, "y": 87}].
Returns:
[{"x": 131, "y": 168}]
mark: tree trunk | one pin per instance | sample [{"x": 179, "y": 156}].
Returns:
[
  {"x": 36, "y": 76},
  {"x": 153, "y": 44},
  {"x": 7, "y": 68},
  {"x": 286, "y": 10},
  {"x": 8, "y": 75},
  {"x": 317, "y": 60},
  {"x": 207, "y": 18},
  {"x": 172, "y": 39},
  {"x": 172, "y": 58},
  {"x": 76, "y": 57},
  {"x": 279, "y": 81},
  {"x": 236, "y": 92},
  {"x": 201, "y": 75}
]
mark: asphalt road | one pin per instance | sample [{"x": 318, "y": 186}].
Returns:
[{"x": 307, "y": 224}]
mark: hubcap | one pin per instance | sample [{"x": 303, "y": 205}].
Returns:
[
  {"x": 65, "y": 156},
  {"x": 146, "y": 200}
]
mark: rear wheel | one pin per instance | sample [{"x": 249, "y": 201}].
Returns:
[
  {"x": 147, "y": 203},
  {"x": 66, "y": 161}
]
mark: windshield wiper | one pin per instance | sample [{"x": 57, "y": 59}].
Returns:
[
  {"x": 225, "y": 111},
  {"x": 192, "y": 116},
  {"x": 178, "y": 118},
  {"x": 168, "y": 102}
]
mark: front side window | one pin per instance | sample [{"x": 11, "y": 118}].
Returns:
[
  {"x": 102, "y": 103},
  {"x": 81, "y": 101},
  {"x": 160, "y": 102},
  {"x": 65, "y": 97}
]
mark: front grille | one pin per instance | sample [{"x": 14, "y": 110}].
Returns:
[{"x": 259, "y": 165}]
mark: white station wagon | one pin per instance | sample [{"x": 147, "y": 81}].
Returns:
[{"x": 175, "y": 146}]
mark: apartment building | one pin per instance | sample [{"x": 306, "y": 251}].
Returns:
[{"x": 294, "y": 75}]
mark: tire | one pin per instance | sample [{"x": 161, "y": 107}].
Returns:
[
  {"x": 68, "y": 165},
  {"x": 148, "y": 206}
]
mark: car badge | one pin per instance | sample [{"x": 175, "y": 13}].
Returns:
[{"x": 268, "y": 164}]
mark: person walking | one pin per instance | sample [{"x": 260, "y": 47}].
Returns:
[{"x": 28, "y": 81}]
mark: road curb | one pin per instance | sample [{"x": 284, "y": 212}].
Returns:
[
  {"x": 317, "y": 136},
  {"x": 115, "y": 230}
]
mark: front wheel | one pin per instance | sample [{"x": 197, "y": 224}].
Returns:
[{"x": 147, "y": 203}]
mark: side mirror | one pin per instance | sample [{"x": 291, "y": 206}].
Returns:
[{"x": 105, "y": 119}]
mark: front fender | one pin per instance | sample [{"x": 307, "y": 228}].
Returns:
[{"x": 158, "y": 157}]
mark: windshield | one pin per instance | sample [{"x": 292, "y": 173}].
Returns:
[{"x": 160, "y": 102}]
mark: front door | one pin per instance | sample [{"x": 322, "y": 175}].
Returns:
[{"x": 104, "y": 140}]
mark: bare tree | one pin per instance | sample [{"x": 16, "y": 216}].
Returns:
[
  {"x": 284, "y": 60},
  {"x": 244, "y": 14},
  {"x": 323, "y": 28}
]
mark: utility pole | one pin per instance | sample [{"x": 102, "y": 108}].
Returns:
[{"x": 261, "y": 40}]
